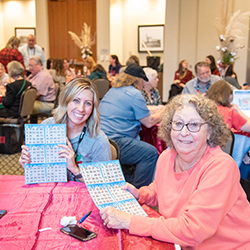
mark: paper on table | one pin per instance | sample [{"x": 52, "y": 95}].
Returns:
[{"x": 104, "y": 181}]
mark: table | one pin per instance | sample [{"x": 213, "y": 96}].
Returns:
[{"x": 37, "y": 206}]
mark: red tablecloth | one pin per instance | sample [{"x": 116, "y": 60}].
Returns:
[{"x": 37, "y": 206}]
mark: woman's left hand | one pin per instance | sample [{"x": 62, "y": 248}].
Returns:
[
  {"x": 69, "y": 154},
  {"x": 114, "y": 218}
]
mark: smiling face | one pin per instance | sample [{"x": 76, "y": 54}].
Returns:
[
  {"x": 80, "y": 108},
  {"x": 204, "y": 74},
  {"x": 187, "y": 143},
  {"x": 33, "y": 67}
]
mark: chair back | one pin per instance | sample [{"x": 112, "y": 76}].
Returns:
[
  {"x": 27, "y": 100},
  {"x": 115, "y": 150},
  {"x": 57, "y": 92},
  {"x": 102, "y": 86},
  {"x": 230, "y": 145}
]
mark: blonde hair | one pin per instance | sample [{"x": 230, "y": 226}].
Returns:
[
  {"x": 123, "y": 79},
  {"x": 91, "y": 62},
  {"x": 12, "y": 42},
  {"x": 206, "y": 108},
  {"x": 73, "y": 88}
]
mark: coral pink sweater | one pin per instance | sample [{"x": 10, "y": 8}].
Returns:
[{"x": 204, "y": 207}]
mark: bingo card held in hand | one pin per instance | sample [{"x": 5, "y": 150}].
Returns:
[
  {"x": 104, "y": 181},
  {"x": 46, "y": 165}
]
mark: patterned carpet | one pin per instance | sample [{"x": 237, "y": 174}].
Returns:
[{"x": 9, "y": 164}]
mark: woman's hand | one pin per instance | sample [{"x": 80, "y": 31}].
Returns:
[
  {"x": 69, "y": 154},
  {"x": 133, "y": 190},
  {"x": 177, "y": 81},
  {"x": 25, "y": 156},
  {"x": 114, "y": 218}
]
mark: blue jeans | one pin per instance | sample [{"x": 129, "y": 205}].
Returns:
[{"x": 141, "y": 154}]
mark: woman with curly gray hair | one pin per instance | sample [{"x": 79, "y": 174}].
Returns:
[{"x": 196, "y": 185}]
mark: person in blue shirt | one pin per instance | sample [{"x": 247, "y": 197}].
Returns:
[{"x": 123, "y": 109}]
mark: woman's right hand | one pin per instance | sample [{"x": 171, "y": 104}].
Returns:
[
  {"x": 25, "y": 156},
  {"x": 133, "y": 190}
]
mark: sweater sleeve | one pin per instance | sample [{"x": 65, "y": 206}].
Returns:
[
  {"x": 9, "y": 99},
  {"x": 201, "y": 216}
]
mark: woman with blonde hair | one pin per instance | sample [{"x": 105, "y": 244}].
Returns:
[
  {"x": 78, "y": 108},
  {"x": 123, "y": 109},
  {"x": 11, "y": 52},
  {"x": 89, "y": 64}
]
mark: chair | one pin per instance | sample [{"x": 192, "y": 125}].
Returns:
[
  {"x": 115, "y": 150},
  {"x": 49, "y": 113},
  {"x": 27, "y": 100},
  {"x": 230, "y": 144},
  {"x": 102, "y": 86}
]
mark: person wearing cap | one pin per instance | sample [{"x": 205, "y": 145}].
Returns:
[{"x": 122, "y": 110}]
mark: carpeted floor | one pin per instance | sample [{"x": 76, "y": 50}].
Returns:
[{"x": 9, "y": 165}]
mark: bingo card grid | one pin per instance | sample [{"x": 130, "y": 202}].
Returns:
[
  {"x": 43, "y": 140},
  {"x": 104, "y": 181}
]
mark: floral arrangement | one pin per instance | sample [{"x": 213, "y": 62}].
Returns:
[
  {"x": 85, "y": 41},
  {"x": 231, "y": 34}
]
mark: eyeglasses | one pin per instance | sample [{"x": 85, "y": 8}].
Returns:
[{"x": 193, "y": 127}]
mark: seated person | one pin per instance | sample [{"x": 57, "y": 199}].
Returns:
[
  {"x": 150, "y": 91},
  {"x": 133, "y": 59},
  {"x": 88, "y": 65},
  {"x": 3, "y": 76},
  {"x": 41, "y": 79},
  {"x": 98, "y": 73},
  {"x": 221, "y": 93},
  {"x": 78, "y": 108},
  {"x": 14, "y": 90},
  {"x": 197, "y": 186},
  {"x": 231, "y": 77},
  {"x": 181, "y": 77},
  {"x": 214, "y": 70},
  {"x": 58, "y": 73},
  {"x": 69, "y": 72},
  {"x": 203, "y": 80},
  {"x": 114, "y": 67},
  {"x": 123, "y": 110}
]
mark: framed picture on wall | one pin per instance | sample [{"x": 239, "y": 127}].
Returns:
[
  {"x": 150, "y": 37},
  {"x": 22, "y": 33}
]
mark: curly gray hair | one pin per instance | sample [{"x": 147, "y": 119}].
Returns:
[{"x": 206, "y": 108}]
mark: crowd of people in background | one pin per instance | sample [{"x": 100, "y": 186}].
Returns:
[{"x": 194, "y": 124}]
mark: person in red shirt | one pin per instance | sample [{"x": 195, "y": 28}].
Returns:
[
  {"x": 11, "y": 52},
  {"x": 221, "y": 92},
  {"x": 181, "y": 77}
]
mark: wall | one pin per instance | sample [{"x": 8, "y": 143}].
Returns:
[
  {"x": 125, "y": 16},
  {"x": 16, "y": 14}
]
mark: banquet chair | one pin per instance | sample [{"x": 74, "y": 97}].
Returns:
[
  {"x": 34, "y": 117},
  {"x": 27, "y": 100},
  {"x": 115, "y": 150},
  {"x": 102, "y": 86}
]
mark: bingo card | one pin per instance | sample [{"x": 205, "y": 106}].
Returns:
[
  {"x": 104, "y": 181},
  {"x": 46, "y": 165},
  {"x": 242, "y": 99}
]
